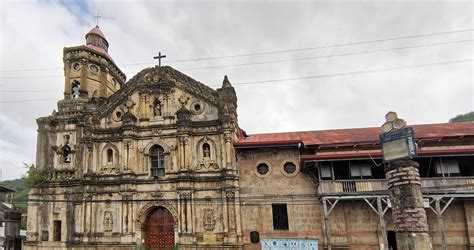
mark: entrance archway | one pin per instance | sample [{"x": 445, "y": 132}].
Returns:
[{"x": 159, "y": 229}]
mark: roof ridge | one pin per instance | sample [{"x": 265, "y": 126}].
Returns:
[{"x": 362, "y": 128}]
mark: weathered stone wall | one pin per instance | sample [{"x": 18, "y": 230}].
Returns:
[{"x": 259, "y": 192}]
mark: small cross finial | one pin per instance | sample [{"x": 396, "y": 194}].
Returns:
[
  {"x": 159, "y": 58},
  {"x": 97, "y": 19}
]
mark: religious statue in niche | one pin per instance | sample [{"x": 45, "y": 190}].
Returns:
[
  {"x": 157, "y": 108},
  {"x": 75, "y": 86},
  {"x": 206, "y": 150},
  {"x": 108, "y": 221},
  {"x": 67, "y": 152}
]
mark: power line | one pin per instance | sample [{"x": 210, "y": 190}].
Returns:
[
  {"x": 271, "y": 52},
  {"x": 280, "y": 61},
  {"x": 328, "y": 56},
  {"x": 318, "y": 47},
  {"x": 33, "y": 100},
  {"x": 369, "y": 71},
  {"x": 356, "y": 72},
  {"x": 30, "y": 91}
]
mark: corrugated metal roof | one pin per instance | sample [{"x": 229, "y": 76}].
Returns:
[{"x": 354, "y": 135}]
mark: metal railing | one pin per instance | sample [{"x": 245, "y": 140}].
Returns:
[{"x": 428, "y": 185}]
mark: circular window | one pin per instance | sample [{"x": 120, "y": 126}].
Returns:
[
  {"x": 262, "y": 168},
  {"x": 197, "y": 107},
  {"x": 289, "y": 168},
  {"x": 76, "y": 66},
  {"x": 94, "y": 69},
  {"x": 118, "y": 114}
]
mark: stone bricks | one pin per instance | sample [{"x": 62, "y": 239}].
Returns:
[{"x": 408, "y": 214}]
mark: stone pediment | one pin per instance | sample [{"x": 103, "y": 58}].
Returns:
[{"x": 158, "y": 80}]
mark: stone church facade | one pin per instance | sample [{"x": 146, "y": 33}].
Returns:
[{"x": 159, "y": 161}]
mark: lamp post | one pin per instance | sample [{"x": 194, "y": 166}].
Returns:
[{"x": 404, "y": 185}]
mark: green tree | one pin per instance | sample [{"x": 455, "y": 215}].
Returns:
[{"x": 467, "y": 117}]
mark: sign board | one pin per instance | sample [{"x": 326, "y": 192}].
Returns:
[
  {"x": 398, "y": 144},
  {"x": 296, "y": 244}
]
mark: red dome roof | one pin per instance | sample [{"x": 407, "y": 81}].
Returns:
[{"x": 96, "y": 31}]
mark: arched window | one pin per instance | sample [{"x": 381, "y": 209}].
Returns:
[
  {"x": 110, "y": 155},
  {"x": 75, "y": 86},
  {"x": 206, "y": 150},
  {"x": 157, "y": 158}
]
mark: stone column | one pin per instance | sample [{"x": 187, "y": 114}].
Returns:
[
  {"x": 228, "y": 147},
  {"x": 67, "y": 79},
  {"x": 408, "y": 213}
]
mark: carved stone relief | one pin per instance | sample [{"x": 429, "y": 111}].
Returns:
[
  {"x": 108, "y": 221},
  {"x": 209, "y": 220}
]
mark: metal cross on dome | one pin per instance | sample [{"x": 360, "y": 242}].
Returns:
[
  {"x": 159, "y": 58},
  {"x": 97, "y": 19}
]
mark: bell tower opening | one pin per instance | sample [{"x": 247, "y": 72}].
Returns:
[{"x": 90, "y": 73}]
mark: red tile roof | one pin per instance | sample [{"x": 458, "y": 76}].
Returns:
[
  {"x": 354, "y": 135},
  {"x": 96, "y": 31}
]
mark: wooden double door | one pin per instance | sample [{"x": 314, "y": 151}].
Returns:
[{"x": 159, "y": 229}]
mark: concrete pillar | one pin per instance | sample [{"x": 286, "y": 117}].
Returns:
[{"x": 408, "y": 213}]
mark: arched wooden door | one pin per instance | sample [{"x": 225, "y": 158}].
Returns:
[{"x": 159, "y": 229}]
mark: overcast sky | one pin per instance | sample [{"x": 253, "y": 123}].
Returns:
[{"x": 437, "y": 87}]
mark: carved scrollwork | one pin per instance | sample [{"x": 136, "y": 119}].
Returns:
[
  {"x": 229, "y": 194},
  {"x": 185, "y": 195},
  {"x": 147, "y": 208},
  {"x": 227, "y": 136},
  {"x": 157, "y": 141}
]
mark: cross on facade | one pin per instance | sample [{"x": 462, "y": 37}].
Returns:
[
  {"x": 97, "y": 19},
  {"x": 159, "y": 58}
]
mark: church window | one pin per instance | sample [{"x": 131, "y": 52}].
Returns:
[
  {"x": 206, "y": 150},
  {"x": 262, "y": 168},
  {"x": 94, "y": 69},
  {"x": 197, "y": 107},
  {"x": 157, "y": 107},
  {"x": 280, "y": 217},
  {"x": 67, "y": 154},
  {"x": 157, "y": 157},
  {"x": 76, "y": 66},
  {"x": 75, "y": 86},
  {"x": 57, "y": 230},
  {"x": 110, "y": 155},
  {"x": 289, "y": 168},
  {"x": 44, "y": 235},
  {"x": 118, "y": 114}
]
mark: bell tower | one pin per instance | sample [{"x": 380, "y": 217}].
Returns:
[{"x": 89, "y": 71}]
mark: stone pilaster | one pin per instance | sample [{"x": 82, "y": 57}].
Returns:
[{"x": 408, "y": 213}]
